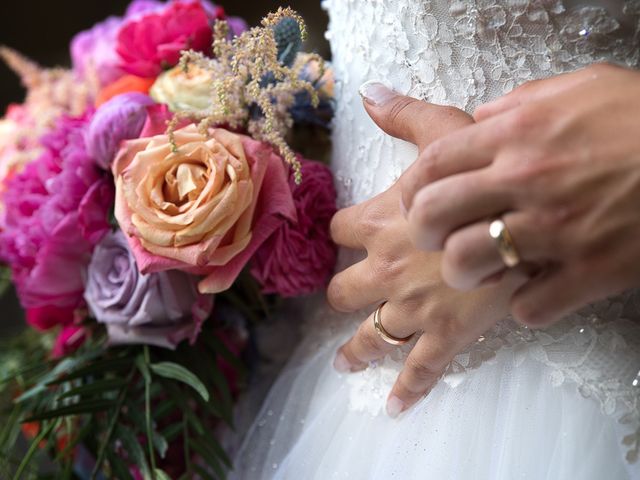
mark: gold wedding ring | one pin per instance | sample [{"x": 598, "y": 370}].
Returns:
[
  {"x": 386, "y": 336},
  {"x": 504, "y": 241}
]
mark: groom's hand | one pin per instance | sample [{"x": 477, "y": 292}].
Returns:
[
  {"x": 408, "y": 280},
  {"x": 558, "y": 160}
]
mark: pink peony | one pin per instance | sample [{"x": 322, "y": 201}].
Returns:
[
  {"x": 56, "y": 209},
  {"x": 300, "y": 257},
  {"x": 151, "y": 42}
]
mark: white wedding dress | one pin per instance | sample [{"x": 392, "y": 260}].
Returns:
[{"x": 563, "y": 403}]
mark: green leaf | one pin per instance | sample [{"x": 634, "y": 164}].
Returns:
[
  {"x": 88, "y": 406},
  {"x": 133, "y": 448},
  {"x": 159, "y": 441},
  {"x": 82, "y": 434},
  {"x": 99, "y": 386},
  {"x": 220, "y": 348},
  {"x": 177, "y": 372},
  {"x": 163, "y": 408},
  {"x": 161, "y": 475},
  {"x": 171, "y": 432},
  {"x": 101, "y": 366},
  {"x": 202, "y": 449},
  {"x": 33, "y": 448},
  {"x": 178, "y": 397},
  {"x": 143, "y": 367},
  {"x": 118, "y": 467}
]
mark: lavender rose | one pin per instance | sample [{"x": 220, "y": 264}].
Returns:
[{"x": 158, "y": 309}]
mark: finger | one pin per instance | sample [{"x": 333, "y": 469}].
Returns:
[
  {"x": 471, "y": 257},
  {"x": 408, "y": 118},
  {"x": 555, "y": 293},
  {"x": 453, "y": 202},
  {"x": 467, "y": 149},
  {"x": 422, "y": 369},
  {"x": 530, "y": 92},
  {"x": 355, "y": 288},
  {"x": 366, "y": 345},
  {"x": 343, "y": 227}
]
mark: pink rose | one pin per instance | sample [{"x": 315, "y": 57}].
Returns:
[
  {"x": 300, "y": 256},
  {"x": 205, "y": 208},
  {"x": 149, "y": 43}
]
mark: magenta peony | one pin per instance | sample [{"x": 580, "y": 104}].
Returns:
[
  {"x": 300, "y": 256},
  {"x": 151, "y": 42},
  {"x": 55, "y": 211}
]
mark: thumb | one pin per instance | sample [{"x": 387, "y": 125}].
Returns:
[{"x": 408, "y": 118}]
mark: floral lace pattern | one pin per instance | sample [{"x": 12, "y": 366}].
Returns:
[{"x": 465, "y": 53}]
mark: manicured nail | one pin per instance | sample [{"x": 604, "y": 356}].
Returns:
[
  {"x": 395, "y": 406},
  {"x": 341, "y": 363},
  {"x": 376, "y": 93}
]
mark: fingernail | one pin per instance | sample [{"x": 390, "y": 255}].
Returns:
[
  {"x": 395, "y": 406},
  {"x": 376, "y": 93},
  {"x": 341, "y": 363}
]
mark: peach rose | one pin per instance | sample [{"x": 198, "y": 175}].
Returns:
[{"x": 204, "y": 208}]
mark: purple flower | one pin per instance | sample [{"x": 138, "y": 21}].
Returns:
[
  {"x": 121, "y": 118},
  {"x": 94, "y": 50},
  {"x": 159, "y": 309},
  {"x": 46, "y": 238}
]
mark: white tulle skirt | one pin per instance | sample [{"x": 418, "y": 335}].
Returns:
[{"x": 503, "y": 420}]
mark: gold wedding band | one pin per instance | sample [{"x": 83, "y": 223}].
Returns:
[
  {"x": 504, "y": 241},
  {"x": 386, "y": 336}
]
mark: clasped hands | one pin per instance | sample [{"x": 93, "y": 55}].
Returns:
[{"x": 558, "y": 160}]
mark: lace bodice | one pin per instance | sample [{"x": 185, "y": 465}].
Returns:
[{"x": 465, "y": 53}]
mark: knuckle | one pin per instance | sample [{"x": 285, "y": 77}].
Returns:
[
  {"x": 335, "y": 226},
  {"x": 521, "y": 121},
  {"x": 421, "y": 371},
  {"x": 457, "y": 257},
  {"x": 337, "y": 293},
  {"x": 369, "y": 341},
  {"x": 398, "y": 108},
  {"x": 371, "y": 221},
  {"x": 529, "y": 313},
  {"x": 429, "y": 161},
  {"x": 527, "y": 176}
]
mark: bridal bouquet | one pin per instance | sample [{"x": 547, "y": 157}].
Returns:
[{"x": 152, "y": 207}]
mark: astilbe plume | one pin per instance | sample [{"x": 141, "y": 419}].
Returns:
[{"x": 247, "y": 74}]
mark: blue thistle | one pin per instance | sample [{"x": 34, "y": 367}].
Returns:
[{"x": 288, "y": 39}]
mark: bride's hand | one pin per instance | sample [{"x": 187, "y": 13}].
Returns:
[
  {"x": 409, "y": 280},
  {"x": 559, "y": 160}
]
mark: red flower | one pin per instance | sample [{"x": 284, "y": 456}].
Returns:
[
  {"x": 149, "y": 43},
  {"x": 300, "y": 256},
  {"x": 44, "y": 318}
]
